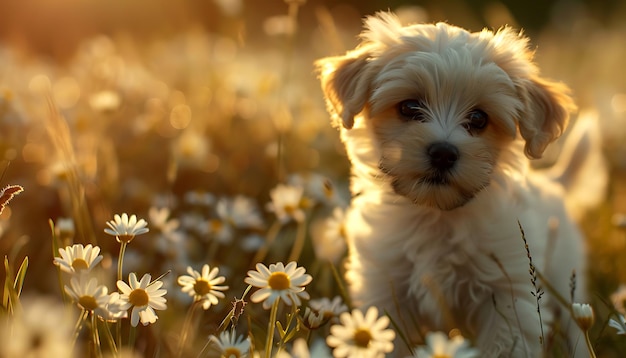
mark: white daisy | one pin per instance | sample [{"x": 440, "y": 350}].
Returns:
[
  {"x": 329, "y": 237},
  {"x": 114, "y": 309},
  {"x": 583, "y": 314},
  {"x": 439, "y": 346},
  {"x": 288, "y": 203},
  {"x": 619, "y": 324},
  {"x": 286, "y": 282},
  {"x": 361, "y": 335},
  {"x": 87, "y": 293},
  {"x": 144, "y": 297},
  {"x": 228, "y": 345},
  {"x": 65, "y": 229},
  {"x": 329, "y": 308},
  {"x": 322, "y": 310},
  {"x": 42, "y": 329},
  {"x": 619, "y": 299},
  {"x": 159, "y": 218},
  {"x": 221, "y": 231},
  {"x": 239, "y": 211},
  {"x": 78, "y": 258},
  {"x": 125, "y": 228},
  {"x": 203, "y": 286}
]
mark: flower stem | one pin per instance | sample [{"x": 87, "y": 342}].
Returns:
[
  {"x": 186, "y": 327},
  {"x": 272, "y": 233},
  {"x": 78, "y": 326},
  {"x": 120, "y": 262},
  {"x": 271, "y": 327},
  {"x": 96, "y": 338},
  {"x": 592, "y": 354},
  {"x": 110, "y": 340},
  {"x": 298, "y": 244}
]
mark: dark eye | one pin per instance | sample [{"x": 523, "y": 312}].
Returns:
[
  {"x": 412, "y": 109},
  {"x": 477, "y": 120}
]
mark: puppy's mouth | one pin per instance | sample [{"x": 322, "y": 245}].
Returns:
[{"x": 435, "y": 179}]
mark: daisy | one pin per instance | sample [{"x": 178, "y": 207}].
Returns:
[
  {"x": 583, "y": 314},
  {"x": 287, "y": 203},
  {"x": 286, "y": 282},
  {"x": 619, "y": 324},
  {"x": 221, "y": 231},
  {"x": 240, "y": 211},
  {"x": 87, "y": 293},
  {"x": 619, "y": 299},
  {"x": 65, "y": 229},
  {"x": 329, "y": 308},
  {"x": 361, "y": 335},
  {"x": 159, "y": 218},
  {"x": 203, "y": 287},
  {"x": 439, "y": 346},
  {"x": 322, "y": 310},
  {"x": 143, "y": 296},
  {"x": 329, "y": 237},
  {"x": 41, "y": 329},
  {"x": 114, "y": 309},
  {"x": 229, "y": 345},
  {"x": 125, "y": 228},
  {"x": 78, "y": 258}
]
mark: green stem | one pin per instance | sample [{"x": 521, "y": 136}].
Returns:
[
  {"x": 298, "y": 244},
  {"x": 120, "y": 262},
  {"x": 78, "y": 326},
  {"x": 132, "y": 333},
  {"x": 592, "y": 354},
  {"x": 271, "y": 327},
  {"x": 109, "y": 337},
  {"x": 96, "y": 338},
  {"x": 186, "y": 326},
  {"x": 272, "y": 233}
]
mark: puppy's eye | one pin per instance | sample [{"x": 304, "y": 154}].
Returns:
[
  {"x": 476, "y": 120},
  {"x": 412, "y": 109}
]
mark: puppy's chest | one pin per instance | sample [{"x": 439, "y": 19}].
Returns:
[{"x": 447, "y": 269}]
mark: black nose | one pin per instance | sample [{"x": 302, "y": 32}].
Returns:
[{"x": 442, "y": 155}]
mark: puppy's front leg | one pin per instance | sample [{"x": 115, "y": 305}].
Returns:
[{"x": 511, "y": 327}]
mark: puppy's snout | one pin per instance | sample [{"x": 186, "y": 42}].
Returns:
[{"x": 442, "y": 155}]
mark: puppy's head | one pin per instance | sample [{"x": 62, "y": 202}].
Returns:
[{"x": 442, "y": 104}]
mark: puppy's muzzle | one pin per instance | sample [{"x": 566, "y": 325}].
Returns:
[{"x": 442, "y": 155}]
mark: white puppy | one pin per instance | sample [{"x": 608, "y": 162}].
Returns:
[{"x": 439, "y": 125}]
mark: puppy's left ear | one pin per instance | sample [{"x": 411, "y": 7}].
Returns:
[
  {"x": 346, "y": 85},
  {"x": 546, "y": 114}
]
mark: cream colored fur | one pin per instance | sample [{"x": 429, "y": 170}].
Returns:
[{"x": 438, "y": 254}]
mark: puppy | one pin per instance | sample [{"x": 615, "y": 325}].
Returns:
[{"x": 439, "y": 125}]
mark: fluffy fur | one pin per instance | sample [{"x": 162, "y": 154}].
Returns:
[{"x": 439, "y": 125}]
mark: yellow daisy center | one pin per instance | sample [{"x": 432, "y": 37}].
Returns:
[
  {"x": 441, "y": 356},
  {"x": 202, "y": 287},
  {"x": 290, "y": 209},
  {"x": 279, "y": 281},
  {"x": 362, "y": 337},
  {"x": 80, "y": 264},
  {"x": 231, "y": 352},
  {"x": 216, "y": 225},
  {"x": 88, "y": 302},
  {"x": 138, "y": 297}
]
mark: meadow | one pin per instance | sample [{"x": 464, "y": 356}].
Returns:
[{"x": 211, "y": 145}]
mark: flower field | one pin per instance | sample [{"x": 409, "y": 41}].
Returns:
[{"x": 180, "y": 192}]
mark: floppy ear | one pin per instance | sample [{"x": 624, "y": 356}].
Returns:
[
  {"x": 346, "y": 85},
  {"x": 546, "y": 113}
]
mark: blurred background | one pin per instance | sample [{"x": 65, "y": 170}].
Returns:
[{"x": 119, "y": 106}]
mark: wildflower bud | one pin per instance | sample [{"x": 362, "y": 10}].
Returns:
[{"x": 583, "y": 314}]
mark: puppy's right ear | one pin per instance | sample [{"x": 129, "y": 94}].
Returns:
[{"x": 346, "y": 85}]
